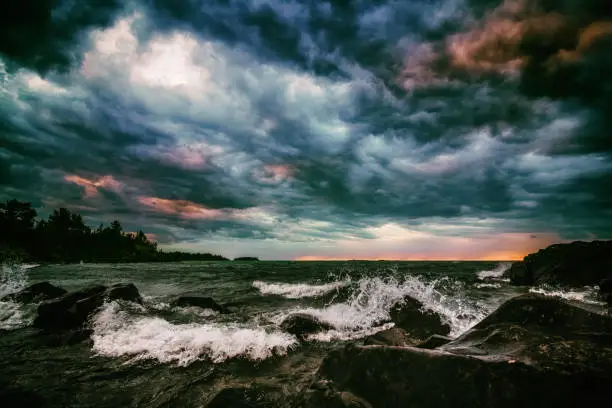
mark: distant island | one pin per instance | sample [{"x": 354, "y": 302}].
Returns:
[
  {"x": 246, "y": 258},
  {"x": 65, "y": 238}
]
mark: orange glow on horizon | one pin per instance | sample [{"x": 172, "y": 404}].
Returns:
[{"x": 491, "y": 257}]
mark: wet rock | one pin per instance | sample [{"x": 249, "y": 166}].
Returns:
[
  {"x": 124, "y": 291},
  {"x": 544, "y": 331},
  {"x": 407, "y": 376},
  {"x": 392, "y": 337},
  {"x": 519, "y": 274},
  {"x": 434, "y": 341},
  {"x": 419, "y": 323},
  {"x": 200, "y": 301},
  {"x": 240, "y": 398},
  {"x": 332, "y": 399},
  {"x": 605, "y": 291},
  {"x": 37, "y": 292},
  {"x": 72, "y": 310},
  {"x": 301, "y": 325},
  {"x": 575, "y": 264}
]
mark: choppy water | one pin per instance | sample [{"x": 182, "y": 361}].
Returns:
[{"x": 355, "y": 298}]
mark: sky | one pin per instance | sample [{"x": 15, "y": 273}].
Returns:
[{"x": 365, "y": 129}]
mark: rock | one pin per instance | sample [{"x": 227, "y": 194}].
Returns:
[
  {"x": 392, "y": 337},
  {"x": 544, "y": 331},
  {"x": 199, "y": 301},
  {"x": 407, "y": 377},
  {"x": 332, "y": 399},
  {"x": 301, "y": 325},
  {"x": 519, "y": 274},
  {"x": 124, "y": 291},
  {"x": 575, "y": 264},
  {"x": 434, "y": 341},
  {"x": 72, "y": 310},
  {"x": 37, "y": 292},
  {"x": 417, "y": 322},
  {"x": 240, "y": 398}
]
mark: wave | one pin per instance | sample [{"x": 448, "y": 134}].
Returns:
[
  {"x": 118, "y": 333},
  {"x": 487, "y": 285},
  {"x": 13, "y": 278},
  {"x": 587, "y": 295},
  {"x": 297, "y": 290},
  {"x": 495, "y": 273},
  {"x": 368, "y": 309}
]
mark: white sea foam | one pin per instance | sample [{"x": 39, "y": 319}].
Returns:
[
  {"x": 369, "y": 307},
  {"x": 587, "y": 295},
  {"x": 13, "y": 278},
  {"x": 117, "y": 333},
  {"x": 495, "y": 273},
  {"x": 487, "y": 285},
  {"x": 298, "y": 290}
]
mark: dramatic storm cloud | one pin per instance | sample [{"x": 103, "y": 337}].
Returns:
[{"x": 296, "y": 129}]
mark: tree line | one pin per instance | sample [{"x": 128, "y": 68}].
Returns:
[{"x": 64, "y": 238}]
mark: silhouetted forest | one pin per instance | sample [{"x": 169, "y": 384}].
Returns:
[{"x": 64, "y": 237}]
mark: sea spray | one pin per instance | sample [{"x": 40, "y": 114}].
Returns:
[
  {"x": 368, "y": 308},
  {"x": 588, "y": 294},
  {"x": 13, "y": 278},
  {"x": 117, "y": 333},
  {"x": 298, "y": 290},
  {"x": 497, "y": 273}
]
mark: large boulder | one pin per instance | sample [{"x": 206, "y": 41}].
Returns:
[
  {"x": 301, "y": 325},
  {"x": 35, "y": 293},
  {"x": 411, "y": 316},
  {"x": 541, "y": 330},
  {"x": 73, "y": 310},
  {"x": 391, "y": 337},
  {"x": 434, "y": 341},
  {"x": 386, "y": 377},
  {"x": 200, "y": 301},
  {"x": 240, "y": 398},
  {"x": 575, "y": 264},
  {"x": 533, "y": 351}
]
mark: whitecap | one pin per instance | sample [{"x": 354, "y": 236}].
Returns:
[
  {"x": 587, "y": 295},
  {"x": 370, "y": 305},
  {"x": 487, "y": 285},
  {"x": 298, "y": 290},
  {"x": 496, "y": 273},
  {"x": 117, "y": 333}
]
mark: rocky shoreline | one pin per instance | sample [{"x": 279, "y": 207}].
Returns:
[{"x": 533, "y": 351}]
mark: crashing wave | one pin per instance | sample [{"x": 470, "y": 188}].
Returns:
[
  {"x": 368, "y": 309},
  {"x": 13, "y": 278},
  {"x": 298, "y": 290},
  {"x": 587, "y": 295},
  {"x": 495, "y": 273},
  {"x": 118, "y": 333}
]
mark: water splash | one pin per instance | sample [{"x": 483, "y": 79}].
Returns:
[
  {"x": 13, "y": 278},
  {"x": 587, "y": 295},
  {"x": 496, "y": 273},
  {"x": 368, "y": 309},
  {"x": 298, "y": 290},
  {"x": 119, "y": 333}
]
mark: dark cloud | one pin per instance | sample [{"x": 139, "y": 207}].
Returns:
[{"x": 310, "y": 121}]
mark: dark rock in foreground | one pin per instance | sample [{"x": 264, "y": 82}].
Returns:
[
  {"x": 389, "y": 377},
  {"x": 301, "y": 325},
  {"x": 240, "y": 398},
  {"x": 37, "y": 292},
  {"x": 72, "y": 310},
  {"x": 392, "y": 337},
  {"x": 576, "y": 264},
  {"x": 419, "y": 323},
  {"x": 200, "y": 301},
  {"x": 544, "y": 331},
  {"x": 434, "y": 341},
  {"x": 533, "y": 351}
]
